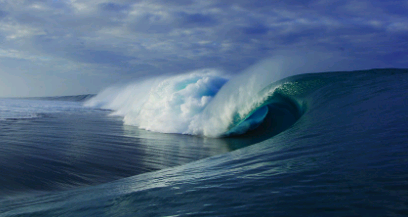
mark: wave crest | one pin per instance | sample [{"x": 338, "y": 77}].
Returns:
[{"x": 205, "y": 102}]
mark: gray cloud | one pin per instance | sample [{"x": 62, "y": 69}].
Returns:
[
  {"x": 110, "y": 6},
  {"x": 109, "y": 41},
  {"x": 257, "y": 29},
  {"x": 2, "y": 14},
  {"x": 188, "y": 20}
]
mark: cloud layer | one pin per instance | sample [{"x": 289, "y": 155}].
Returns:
[{"x": 60, "y": 47}]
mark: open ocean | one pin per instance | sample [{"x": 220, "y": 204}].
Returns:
[{"x": 205, "y": 144}]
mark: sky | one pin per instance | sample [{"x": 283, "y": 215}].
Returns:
[{"x": 69, "y": 47}]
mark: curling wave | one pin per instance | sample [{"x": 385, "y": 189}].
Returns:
[{"x": 206, "y": 102}]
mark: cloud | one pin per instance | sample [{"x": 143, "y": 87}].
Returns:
[
  {"x": 98, "y": 57},
  {"x": 2, "y": 14},
  {"x": 110, "y": 6},
  {"x": 130, "y": 38},
  {"x": 189, "y": 20},
  {"x": 257, "y": 29}
]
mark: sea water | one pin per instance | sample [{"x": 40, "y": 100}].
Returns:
[{"x": 322, "y": 144}]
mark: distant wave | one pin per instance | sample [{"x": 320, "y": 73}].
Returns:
[
  {"x": 13, "y": 109},
  {"x": 75, "y": 98}
]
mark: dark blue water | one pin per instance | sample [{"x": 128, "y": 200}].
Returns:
[
  {"x": 64, "y": 148},
  {"x": 332, "y": 144}
]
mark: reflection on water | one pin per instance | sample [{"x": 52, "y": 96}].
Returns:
[
  {"x": 165, "y": 150},
  {"x": 80, "y": 147}
]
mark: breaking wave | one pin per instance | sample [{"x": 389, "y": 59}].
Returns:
[{"x": 205, "y": 102}]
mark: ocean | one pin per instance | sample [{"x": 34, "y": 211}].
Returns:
[{"x": 210, "y": 144}]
